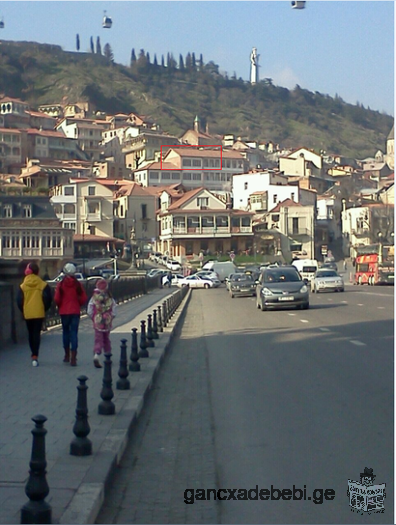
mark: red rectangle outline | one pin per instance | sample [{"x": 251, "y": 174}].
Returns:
[{"x": 193, "y": 146}]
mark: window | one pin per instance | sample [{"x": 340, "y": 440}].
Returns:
[
  {"x": 186, "y": 162},
  {"x": 196, "y": 163},
  {"x": 144, "y": 211},
  {"x": 292, "y": 196},
  {"x": 189, "y": 248},
  {"x": 92, "y": 230},
  {"x": 175, "y": 176},
  {"x": 203, "y": 202},
  {"x": 165, "y": 176},
  {"x": 27, "y": 211},
  {"x": 91, "y": 190},
  {"x": 295, "y": 224},
  {"x": 197, "y": 176},
  {"x": 205, "y": 163},
  {"x": 245, "y": 186},
  {"x": 68, "y": 190},
  {"x": 69, "y": 209},
  {"x": 186, "y": 176},
  {"x": 154, "y": 175},
  {"x": 7, "y": 211},
  {"x": 275, "y": 198}
]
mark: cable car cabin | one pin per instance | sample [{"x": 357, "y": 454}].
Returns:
[
  {"x": 107, "y": 22},
  {"x": 298, "y": 4}
]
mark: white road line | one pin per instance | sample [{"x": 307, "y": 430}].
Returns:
[
  {"x": 344, "y": 302},
  {"x": 324, "y": 329},
  {"x": 329, "y": 299},
  {"x": 381, "y": 307},
  {"x": 360, "y": 304},
  {"x": 357, "y": 343},
  {"x": 291, "y": 314},
  {"x": 304, "y": 320}
]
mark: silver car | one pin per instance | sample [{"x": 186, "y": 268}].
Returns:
[
  {"x": 326, "y": 280},
  {"x": 242, "y": 285},
  {"x": 281, "y": 288}
]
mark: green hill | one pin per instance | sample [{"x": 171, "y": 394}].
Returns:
[{"x": 173, "y": 95}]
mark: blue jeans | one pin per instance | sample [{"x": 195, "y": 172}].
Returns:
[{"x": 70, "y": 324}]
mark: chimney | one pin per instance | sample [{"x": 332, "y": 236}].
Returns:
[{"x": 196, "y": 124}]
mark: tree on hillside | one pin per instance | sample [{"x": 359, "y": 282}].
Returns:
[
  {"x": 92, "y": 45},
  {"x": 108, "y": 53},
  {"x": 188, "y": 61},
  {"x": 201, "y": 62},
  {"x": 133, "y": 57},
  {"x": 162, "y": 61},
  {"x": 148, "y": 57},
  {"x": 155, "y": 60},
  {"x": 98, "y": 46},
  {"x": 193, "y": 62},
  {"x": 78, "y": 42},
  {"x": 181, "y": 63}
]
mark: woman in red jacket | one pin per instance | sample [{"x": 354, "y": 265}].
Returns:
[{"x": 69, "y": 297}]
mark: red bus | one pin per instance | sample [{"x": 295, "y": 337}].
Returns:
[{"x": 369, "y": 270}]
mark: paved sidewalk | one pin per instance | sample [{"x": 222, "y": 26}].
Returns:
[{"x": 76, "y": 483}]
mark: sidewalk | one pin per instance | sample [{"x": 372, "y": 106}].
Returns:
[{"x": 76, "y": 484}]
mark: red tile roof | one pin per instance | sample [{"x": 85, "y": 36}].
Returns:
[
  {"x": 185, "y": 198},
  {"x": 286, "y": 202}
]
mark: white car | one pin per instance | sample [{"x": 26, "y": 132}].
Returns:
[
  {"x": 327, "y": 280},
  {"x": 176, "y": 278},
  {"x": 173, "y": 266},
  {"x": 192, "y": 281},
  {"x": 210, "y": 275}
]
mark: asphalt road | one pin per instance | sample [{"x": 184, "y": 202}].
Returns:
[{"x": 294, "y": 398}]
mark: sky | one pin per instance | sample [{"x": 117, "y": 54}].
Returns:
[{"x": 343, "y": 48}]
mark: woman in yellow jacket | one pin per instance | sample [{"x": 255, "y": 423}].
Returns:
[{"x": 33, "y": 299}]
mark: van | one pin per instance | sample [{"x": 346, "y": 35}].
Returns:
[
  {"x": 223, "y": 269},
  {"x": 306, "y": 267}
]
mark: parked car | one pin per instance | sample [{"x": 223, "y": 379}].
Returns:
[
  {"x": 176, "y": 277},
  {"x": 192, "y": 281},
  {"x": 174, "y": 266},
  {"x": 108, "y": 274},
  {"x": 223, "y": 269},
  {"x": 281, "y": 287},
  {"x": 242, "y": 284},
  {"x": 327, "y": 280},
  {"x": 77, "y": 275}
]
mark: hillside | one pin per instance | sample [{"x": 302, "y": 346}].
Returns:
[{"x": 173, "y": 95}]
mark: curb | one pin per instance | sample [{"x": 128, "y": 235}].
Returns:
[{"x": 87, "y": 501}]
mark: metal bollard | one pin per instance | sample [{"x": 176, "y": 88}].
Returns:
[
  {"x": 134, "y": 366},
  {"x": 123, "y": 383},
  {"x": 107, "y": 407},
  {"x": 37, "y": 510},
  {"x": 160, "y": 327},
  {"x": 150, "y": 339},
  {"x": 164, "y": 315},
  {"x": 143, "y": 341},
  {"x": 81, "y": 445},
  {"x": 155, "y": 325}
]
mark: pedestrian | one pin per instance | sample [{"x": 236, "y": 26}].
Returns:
[
  {"x": 70, "y": 296},
  {"x": 102, "y": 310},
  {"x": 169, "y": 279},
  {"x": 165, "y": 280},
  {"x": 345, "y": 265},
  {"x": 34, "y": 299}
]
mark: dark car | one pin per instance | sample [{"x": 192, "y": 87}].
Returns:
[
  {"x": 241, "y": 284},
  {"x": 281, "y": 288},
  {"x": 329, "y": 266}
]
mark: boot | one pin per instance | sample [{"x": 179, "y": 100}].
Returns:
[
  {"x": 73, "y": 358},
  {"x": 66, "y": 359}
]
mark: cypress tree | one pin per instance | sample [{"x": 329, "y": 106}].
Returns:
[
  {"x": 133, "y": 57},
  {"x": 148, "y": 57},
  {"x": 162, "y": 61},
  {"x": 193, "y": 63},
  {"x": 92, "y": 45},
  {"x": 155, "y": 60},
  {"x": 201, "y": 62},
  {"x": 181, "y": 62},
  {"x": 188, "y": 61},
  {"x": 78, "y": 42},
  {"x": 98, "y": 46}
]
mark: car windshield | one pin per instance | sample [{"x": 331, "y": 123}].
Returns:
[
  {"x": 309, "y": 269},
  {"x": 280, "y": 276},
  {"x": 241, "y": 277},
  {"x": 327, "y": 273}
]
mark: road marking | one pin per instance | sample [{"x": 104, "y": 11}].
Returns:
[
  {"x": 304, "y": 320},
  {"x": 344, "y": 302},
  {"x": 381, "y": 307},
  {"x": 360, "y": 304},
  {"x": 329, "y": 299},
  {"x": 324, "y": 329},
  {"x": 357, "y": 343},
  {"x": 291, "y": 314}
]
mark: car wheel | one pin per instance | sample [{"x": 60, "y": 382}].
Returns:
[
  {"x": 305, "y": 306},
  {"x": 360, "y": 280},
  {"x": 263, "y": 307},
  {"x": 206, "y": 286}
]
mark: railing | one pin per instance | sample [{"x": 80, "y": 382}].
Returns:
[
  {"x": 208, "y": 230},
  {"x": 122, "y": 290}
]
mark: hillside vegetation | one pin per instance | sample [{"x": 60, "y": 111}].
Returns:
[{"x": 173, "y": 95}]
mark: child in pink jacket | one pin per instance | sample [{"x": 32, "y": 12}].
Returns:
[{"x": 101, "y": 309}]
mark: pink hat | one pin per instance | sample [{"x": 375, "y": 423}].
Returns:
[
  {"x": 28, "y": 270},
  {"x": 101, "y": 284}
]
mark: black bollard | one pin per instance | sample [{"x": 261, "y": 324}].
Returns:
[
  {"x": 81, "y": 445},
  {"x": 143, "y": 341},
  {"x": 37, "y": 510},
  {"x": 155, "y": 325},
  {"x": 160, "y": 327},
  {"x": 123, "y": 383},
  {"x": 107, "y": 407},
  {"x": 150, "y": 339},
  {"x": 164, "y": 315},
  {"x": 134, "y": 366}
]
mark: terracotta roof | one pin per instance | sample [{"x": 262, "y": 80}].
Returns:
[
  {"x": 12, "y": 130},
  {"x": 185, "y": 198},
  {"x": 283, "y": 204},
  {"x": 157, "y": 166},
  {"x": 94, "y": 238},
  {"x": 195, "y": 152},
  {"x": 132, "y": 189},
  {"x": 46, "y": 133},
  {"x": 259, "y": 192},
  {"x": 39, "y": 114},
  {"x": 9, "y": 99}
]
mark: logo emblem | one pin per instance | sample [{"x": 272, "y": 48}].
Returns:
[{"x": 365, "y": 496}]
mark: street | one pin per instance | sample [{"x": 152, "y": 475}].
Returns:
[{"x": 290, "y": 399}]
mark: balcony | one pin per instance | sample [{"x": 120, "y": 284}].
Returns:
[
  {"x": 206, "y": 231},
  {"x": 93, "y": 217}
]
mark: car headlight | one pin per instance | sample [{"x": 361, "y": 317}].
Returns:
[
  {"x": 266, "y": 291},
  {"x": 304, "y": 289}
]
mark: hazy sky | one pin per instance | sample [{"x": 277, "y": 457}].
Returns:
[{"x": 331, "y": 47}]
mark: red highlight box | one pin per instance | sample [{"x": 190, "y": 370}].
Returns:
[{"x": 220, "y": 149}]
